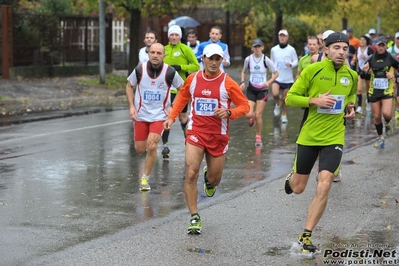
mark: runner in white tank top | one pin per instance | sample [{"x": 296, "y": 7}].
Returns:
[{"x": 149, "y": 85}]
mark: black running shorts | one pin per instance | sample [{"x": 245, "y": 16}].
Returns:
[{"x": 329, "y": 159}]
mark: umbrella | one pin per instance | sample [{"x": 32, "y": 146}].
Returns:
[{"x": 184, "y": 22}]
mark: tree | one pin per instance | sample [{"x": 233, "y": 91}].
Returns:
[
  {"x": 139, "y": 8},
  {"x": 280, "y": 8}
]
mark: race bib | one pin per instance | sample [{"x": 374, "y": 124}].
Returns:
[
  {"x": 257, "y": 79},
  {"x": 281, "y": 64},
  {"x": 205, "y": 106},
  {"x": 380, "y": 83},
  {"x": 337, "y": 108},
  {"x": 152, "y": 96}
]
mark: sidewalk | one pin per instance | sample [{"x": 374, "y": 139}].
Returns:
[
  {"x": 40, "y": 99},
  {"x": 259, "y": 225}
]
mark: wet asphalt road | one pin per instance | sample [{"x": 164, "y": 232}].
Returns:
[{"x": 69, "y": 181}]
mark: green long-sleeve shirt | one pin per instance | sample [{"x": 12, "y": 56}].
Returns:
[
  {"x": 182, "y": 55},
  {"x": 323, "y": 127}
]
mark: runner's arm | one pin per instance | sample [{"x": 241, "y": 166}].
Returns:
[
  {"x": 244, "y": 69},
  {"x": 193, "y": 65},
  {"x": 182, "y": 98},
  {"x": 200, "y": 51},
  {"x": 297, "y": 95},
  {"x": 130, "y": 89},
  {"x": 238, "y": 98},
  {"x": 294, "y": 58},
  {"x": 226, "y": 57}
]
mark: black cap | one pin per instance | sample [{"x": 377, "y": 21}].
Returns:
[
  {"x": 381, "y": 39},
  {"x": 336, "y": 37},
  {"x": 257, "y": 42},
  {"x": 349, "y": 30}
]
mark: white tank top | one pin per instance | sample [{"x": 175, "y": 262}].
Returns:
[
  {"x": 361, "y": 61},
  {"x": 152, "y": 96},
  {"x": 257, "y": 70}
]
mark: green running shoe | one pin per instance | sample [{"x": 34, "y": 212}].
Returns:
[
  {"x": 208, "y": 188},
  {"x": 305, "y": 241},
  {"x": 195, "y": 225}
]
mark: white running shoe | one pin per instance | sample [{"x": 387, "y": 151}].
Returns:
[
  {"x": 359, "y": 110},
  {"x": 276, "y": 110},
  {"x": 284, "y": 119},
  {"x": 338, "y": 177}
]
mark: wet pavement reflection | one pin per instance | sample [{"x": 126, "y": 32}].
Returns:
[{"x": 74, "y": 179}]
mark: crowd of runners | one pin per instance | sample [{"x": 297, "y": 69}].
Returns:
[{"x": 187, "y": 81}]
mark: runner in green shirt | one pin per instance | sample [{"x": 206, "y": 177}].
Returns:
[
  {"x": 313, "y": 46},
  {"x": 181, "y": 58},
  {"x": 327, "y": 90}
]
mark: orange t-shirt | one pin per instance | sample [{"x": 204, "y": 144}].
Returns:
[{"x": 354, "y": 42}]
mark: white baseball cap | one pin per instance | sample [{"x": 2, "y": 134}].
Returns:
[
  {"x": 326, "y": 34},
  {"x": 284, "y": 32},
  {"x": 212, "y": 49},
  {"x": 372, "y": 31},
  {"x": 397, "y": 35}
]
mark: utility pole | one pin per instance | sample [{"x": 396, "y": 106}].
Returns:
[
  {"x": 101, "y": 22},
  {"x": 379, "y": 22}
]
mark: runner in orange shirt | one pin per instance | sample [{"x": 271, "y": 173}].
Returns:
[
  {"x": 211, "y": 92},
  {"x": 354, "y": 43}
]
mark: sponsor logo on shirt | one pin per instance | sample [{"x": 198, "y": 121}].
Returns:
[
  {"x": 206, "y": 92},
  {"x": 326, "y": 78},
  {"x": 176, "y": 54},
  {"x": 161, "y": 85},
  {"x": 344, "y": 81}
]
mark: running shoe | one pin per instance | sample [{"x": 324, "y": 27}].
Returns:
[
  {"x": 397, "y": 114},
  {"x": 287, "y": 186},
  {"x": 284, "y": 119},
  {"x": 144, "y": 186},
  {"x": 195, "y": 225},
  {"x": 388, "y": 129},
  {"x": 251, "y": 122},
  {"x": 258, "y": 141},
  {"x": 276, "y": 110},
  {"x": 338, "y": 177},
  {"x": 380, "y": 143},
  {"x": 165, "y": 152},
  {"x": 208, "y": 188},
  {"x": 305, "y": 241},
  {"x": 359, "y": 110}
]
